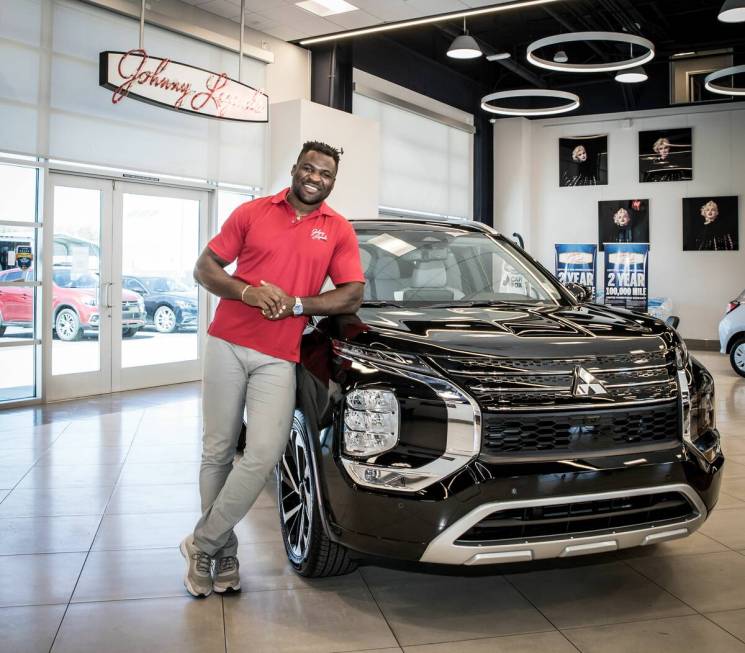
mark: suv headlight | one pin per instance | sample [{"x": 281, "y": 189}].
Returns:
[
  {"x": 370, "y": 422},
  {"x": 383, "y": 356},
  {"x": 90, "y": 301},
  {"x": 140, "y": 304},
  {"x": 184, "y": 304}
]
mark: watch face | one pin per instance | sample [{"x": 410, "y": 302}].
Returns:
[{"x": 297, "y": 309}]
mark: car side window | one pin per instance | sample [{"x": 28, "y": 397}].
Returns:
[{"x": 12, "y": 275}]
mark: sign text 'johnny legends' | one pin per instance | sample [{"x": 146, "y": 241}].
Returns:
[{"x": 180, "y": 87}]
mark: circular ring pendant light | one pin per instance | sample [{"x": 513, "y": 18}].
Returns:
[
  {"x": 571, "y": 105},
  {"x": 575, "y": 37},
  {"x": 724, "y": 72}
]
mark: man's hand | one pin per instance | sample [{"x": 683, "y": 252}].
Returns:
[{"x": 274, "y": 302}]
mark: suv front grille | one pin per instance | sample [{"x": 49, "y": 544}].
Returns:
[
  {"x": 518, "y": 384},
  {"x": 569, "y": 433},
  {"x": 592, "y": 517}
]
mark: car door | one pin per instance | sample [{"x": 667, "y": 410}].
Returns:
[{"x": 16, "y": 303}]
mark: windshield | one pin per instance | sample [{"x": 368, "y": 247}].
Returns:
[
  {"x": 67, "y": 279},
  {"x": 416, "y": 265},
  {"x": 164, "y": 284}
]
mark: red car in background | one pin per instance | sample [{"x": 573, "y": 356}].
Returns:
[{"x": 74, "y": 304}]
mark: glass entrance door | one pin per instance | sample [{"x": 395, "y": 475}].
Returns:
[
  {"x": 125, "y": 310},
  {"x": 78, "y": 271},
  {"x": 159, "y": 232}
]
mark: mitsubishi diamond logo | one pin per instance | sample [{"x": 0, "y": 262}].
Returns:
[{"x": 585, "y": 384}]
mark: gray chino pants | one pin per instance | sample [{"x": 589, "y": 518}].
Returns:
[{"x": 235, "y": 377}]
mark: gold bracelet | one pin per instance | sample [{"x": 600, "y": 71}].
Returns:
[{"x": 243, "y": 292}]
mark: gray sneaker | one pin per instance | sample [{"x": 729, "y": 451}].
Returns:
[
  {"x": 226, "y": 577},
  {"x": 198, "y": 580}
]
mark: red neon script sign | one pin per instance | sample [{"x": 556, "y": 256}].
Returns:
[{"x": 180, "y": 87}]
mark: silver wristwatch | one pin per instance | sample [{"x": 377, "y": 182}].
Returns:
[{"x": 297, "y": 309}]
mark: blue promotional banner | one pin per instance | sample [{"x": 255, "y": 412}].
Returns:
[
  {"x": 627, "y": 275},
  {"x": 576, "y": 264}
]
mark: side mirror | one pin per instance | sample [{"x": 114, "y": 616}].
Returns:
[
  {"x": 673, "y": 321},
  {"x": 580, "y": 293}
]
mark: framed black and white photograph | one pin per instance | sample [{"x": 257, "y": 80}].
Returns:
[
  {"x": 710, "y": 224},
  {"x": 583, "y": 160},
  {"x": 666, "y": 155},
  {"x": 623, "y": 221}
]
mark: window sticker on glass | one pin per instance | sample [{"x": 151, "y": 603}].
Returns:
[
  {"x": 24, "y": 256},
  {"x": 392, "y": 245}
]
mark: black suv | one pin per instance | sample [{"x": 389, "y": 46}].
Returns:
[{"x": 475, "y": 411}]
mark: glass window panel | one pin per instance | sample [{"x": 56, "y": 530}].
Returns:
[
  {"x": 75, "y": 280},
  {"x": 18, "y": 193},
  {"x": 159, "y": 247},
  {"x": 17, "y": 378}
]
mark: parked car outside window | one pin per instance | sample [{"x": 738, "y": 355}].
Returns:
[
  {"x": 170, "y": 304},
  {"x": 74, "y": 304}
]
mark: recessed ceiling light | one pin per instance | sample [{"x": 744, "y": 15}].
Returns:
[
  {"x": 498, "y": 56},
  {"x": 326, "y": 7},
  {"x": 561, "y": 57}
]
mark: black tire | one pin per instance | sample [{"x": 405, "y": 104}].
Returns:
[
  {"x": 67, "y": 325},
  {"x": 737, "y": 356},
  {"x": 128, "y": 333},
  {"x": 310, "y": 552}
]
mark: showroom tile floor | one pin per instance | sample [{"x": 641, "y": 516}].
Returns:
[{"x": 96, "y": 494}]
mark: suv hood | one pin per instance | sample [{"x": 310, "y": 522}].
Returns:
[{"x": 510, "y": 331}]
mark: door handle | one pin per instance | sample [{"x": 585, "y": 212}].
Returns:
[{"x": 107, "y": 299}]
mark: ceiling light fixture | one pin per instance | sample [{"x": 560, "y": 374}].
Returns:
[
  {"x": 572, "y": 104},
  {"x": 615, "y": 37},
  {"x": 684, "y": 54},
  {"x": 498, "y": 56},
  {"x": 632, "y": 75},
  {"x": 561, "y": 57},
  {"x": 326, "y": 7},
  {"x": 388, "y": 27},
  {"x": 464, "y": 46},
  {"x": 724, "y": 72},
  {"x": 732, "y": 11}
]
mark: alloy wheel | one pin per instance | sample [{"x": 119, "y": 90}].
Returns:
[
  {"x": 67, "y": 324},
  {"x": 738, "y": 357},
  {"x": 296, "y": 496},
  {"x": 165, "y": 319}
]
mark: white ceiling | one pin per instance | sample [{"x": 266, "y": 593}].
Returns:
[{"x": 283, "y": 20}]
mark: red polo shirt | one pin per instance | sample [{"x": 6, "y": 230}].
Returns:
[{"x": 296, "y": 256}]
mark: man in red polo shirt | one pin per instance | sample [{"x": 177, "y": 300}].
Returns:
[{"x": 285, "y": 246}]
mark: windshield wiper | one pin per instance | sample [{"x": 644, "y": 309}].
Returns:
[{"x": 377, "y": 303}]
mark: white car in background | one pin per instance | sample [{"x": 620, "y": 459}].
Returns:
[{"x": 732, "y": 333}]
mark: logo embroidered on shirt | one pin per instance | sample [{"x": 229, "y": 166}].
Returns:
[{"x": 318, "y": 234}]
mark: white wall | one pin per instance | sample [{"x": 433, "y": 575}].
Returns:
[
  {"x": 355, "y": 194},
  {"x": 528, "y": 199}
]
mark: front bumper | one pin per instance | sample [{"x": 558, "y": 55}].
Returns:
[
  {"x": 130, "y": 320},
  {"x": 424, "y": 527}
]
